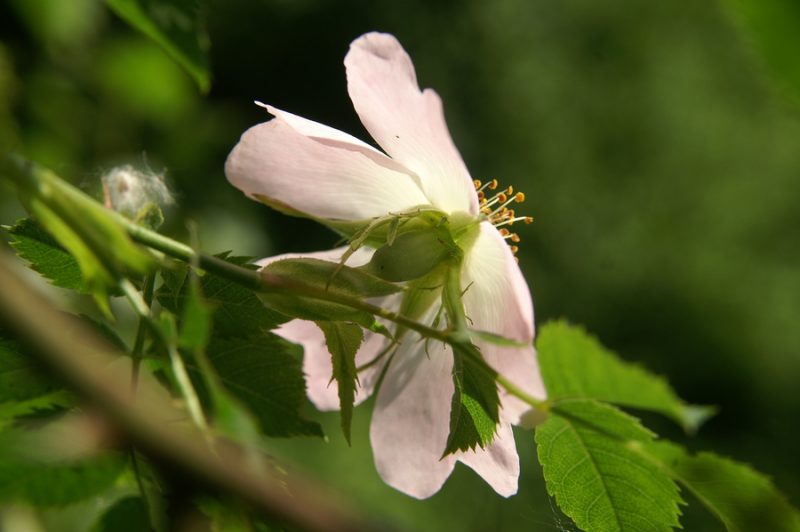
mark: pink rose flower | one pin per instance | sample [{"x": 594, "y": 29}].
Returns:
[{"x": 305, "y": 168}]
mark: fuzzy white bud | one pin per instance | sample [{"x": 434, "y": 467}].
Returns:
[{"x": 134, "y": 193}]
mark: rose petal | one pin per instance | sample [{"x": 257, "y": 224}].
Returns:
[
  {"x": 498, "y": 301},
  {"x": 411, "y": 419},
  {"x": 329, "y": 180},
  {"x": 498, "y": 464},
  {"x": 408, "y": 123}
]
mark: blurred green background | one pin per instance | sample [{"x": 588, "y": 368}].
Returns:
[{"x": 659, "y": 159}]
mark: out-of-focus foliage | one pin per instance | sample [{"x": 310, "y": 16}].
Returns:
[
  {"x": 661, "y": 167},
  {"x": 176, "y": 26},
  {"x": 772, "y": 25}
]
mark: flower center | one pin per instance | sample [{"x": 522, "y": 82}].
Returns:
[{"x": 497, "y": 211}]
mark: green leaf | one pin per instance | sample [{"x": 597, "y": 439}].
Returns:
[
  {"x": 57, "y": 483},
  {"x": 575, "y": 365},
  {"x": 263, "y": 374},
  {"x": 231, "y": 418},
  {"x": 21, "y": 377},
  {"x": 772, "y": 27},
  {"x": 45, "y": 255},
  {"x": 196, "y": 321},
  {"x": 128, "y": 514},
  {"x": 176, "y": 26},
  {"x": 596, "y": 478},
  {"x": 343, "y": 341},
  {"x": 238, "y": 312},
  {"x": 742, "y": 498},
  {"x": 475, "y": 408}
]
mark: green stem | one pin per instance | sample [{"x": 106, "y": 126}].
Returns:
[
  {"x": 179, "y": 372},
  {"x": 141, "y": 329},
  {"x": 187, "y": 389},
  {"x": 140, "y": 484}
]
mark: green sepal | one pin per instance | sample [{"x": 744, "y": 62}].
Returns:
[
  {"x": 475, "y": 406},
  {"x": 332, "y": 277},
  {"x": 343, "y": 341},
  {"x": 412, "y": 255}
]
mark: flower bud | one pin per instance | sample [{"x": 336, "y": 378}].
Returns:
[{"x": 136, "y": 195}]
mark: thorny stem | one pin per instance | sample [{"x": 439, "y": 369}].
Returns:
[{"x": 269, "y": 283}]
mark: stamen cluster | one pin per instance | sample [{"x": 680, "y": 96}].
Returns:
[{"x": 497, "y": 211}]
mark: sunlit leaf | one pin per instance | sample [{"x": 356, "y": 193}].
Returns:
[
  {"x": 597, "y": 480},
  {"x": 575, "y": 365},
  {"x": 742, "y": 498},
  {"x": 343, "y": 341},
  {"x": 45, "y": 255},
  {"x": 175, "y": 25}
]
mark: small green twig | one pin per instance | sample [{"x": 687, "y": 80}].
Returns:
[
  {"x": 179, "y": 372},
  {"x": 141, "y": 329}
]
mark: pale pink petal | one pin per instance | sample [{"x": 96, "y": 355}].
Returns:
[
  {"x": 408, "y": 123},
  {"x": 319, "y": 370},
  {"x": 411, "y": 419},
  {"x": 316, "y": 358},
  {"x": 498, "y": 464},
  {"x": 328, "y": 180},
  {"x": 497, "y": 300}
]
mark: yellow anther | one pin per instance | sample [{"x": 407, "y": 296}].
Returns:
[{"x": 496, "y": 209}]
